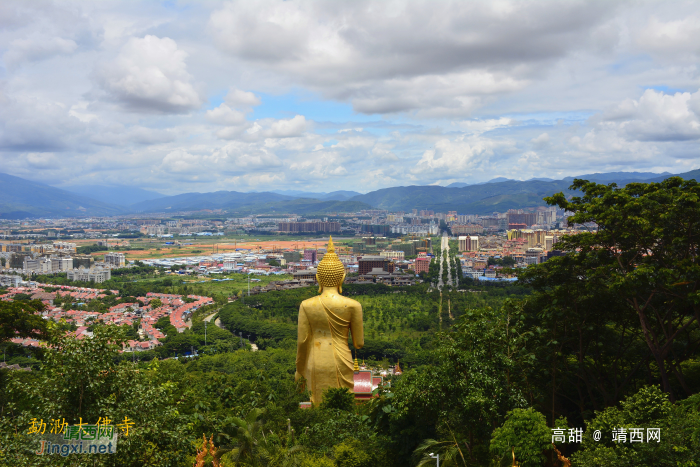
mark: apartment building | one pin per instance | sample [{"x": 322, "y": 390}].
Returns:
[
  {"x": 468, "y": 243},
  {"x": 97, "y": 274},
  {"x": 116, "y": 260}
]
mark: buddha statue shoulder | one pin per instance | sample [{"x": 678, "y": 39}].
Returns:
[{"x": 323, "y": 355}]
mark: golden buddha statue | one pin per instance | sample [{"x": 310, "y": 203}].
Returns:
[{"x": 323, "y": 355}]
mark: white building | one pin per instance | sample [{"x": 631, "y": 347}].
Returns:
[
  {"x": 116, "y": 260},
  {"x": 392, "y": 254},
  {"x": 96, "y": 274}
]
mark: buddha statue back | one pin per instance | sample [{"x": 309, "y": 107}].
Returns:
[{"x": 323, "y": 356}]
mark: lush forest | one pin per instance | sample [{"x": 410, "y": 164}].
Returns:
[{"x": 603, "y": 339}]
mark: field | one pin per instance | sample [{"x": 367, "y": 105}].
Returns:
[{"x": 149, "y": 248}]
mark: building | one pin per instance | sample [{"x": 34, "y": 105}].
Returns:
[
  {"x": 96, "y": 274},
  {"x": 467, "y": 229},
  {"x": 10, "y": 281},
  {"x": 309, "y": 227},
  {"x": 310, "y": 255},
  {"x": 64, "y": 246},
  {"x": 84, "y": 261},
  {"x": 367, "y": 263},
  {"x": 529, "y": 218},
  {"x": 422, "y": 264},
  {"x": 116, "y": 260},
  {"x": 157, "y": 230},
  {"x": 392, "y": 254},
  {"x": 62, "y": 263},
  {"x": 305, "y": 274},
  {"x": 36, "y": 265},
  {"x": 376, "y": 229},
  {"x": 291, "y": 256},
  {"x": 468, "y": 243}
]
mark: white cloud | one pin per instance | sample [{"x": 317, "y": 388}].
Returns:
[
  {"x": 671, "y": 39},
  {"x": 239, "y": 98},
  {"x": 225, "y": 115},
  {"x": 150, "y": 74},
  {"x": 38, "y": 47},
  {"x": 656, "y": 116},
  {"x": 436, "y": 58},
  {"x": 458, "y": 155},
  {"x": 459, "y": 91},
  {"x": 283, "y": 128}
]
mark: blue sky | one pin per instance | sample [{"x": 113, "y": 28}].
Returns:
[{"x": 322, "y": 96}]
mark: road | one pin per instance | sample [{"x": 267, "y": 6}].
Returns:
[
  {"x": 253, "y": 347},
  {"x": 445, "y": 253}
]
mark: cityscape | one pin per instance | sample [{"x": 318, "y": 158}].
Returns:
[{"x": 350, "y": 234}]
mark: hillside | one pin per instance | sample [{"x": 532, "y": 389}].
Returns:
[
  {"x": 305, "y": 206},
  {"x": 228, "y": 200},
  {"x": 121, "y": 195},
  {"x": 499, "y": 195},
  {"x": 20, "y": 198}
]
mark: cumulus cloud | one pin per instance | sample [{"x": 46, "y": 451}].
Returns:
[
  {"x": 239, "y": 98},
  {"x": 150, "y": 74},
  {"x": 283, "y": 128},
  {"x": 460, "y": 91},
  {"x": 655, "y": 116},
  {"x": 225, "y": 115},
  {"x": 397, "y": 57},
  {"x": 457, "y": 155}
]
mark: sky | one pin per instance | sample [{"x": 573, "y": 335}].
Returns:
[{"x": 179, "y": 96}]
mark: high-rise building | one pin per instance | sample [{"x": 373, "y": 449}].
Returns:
[
  {"x": 310, "y": 255},
  {"x": 468, "y": 243},
  {"x": 117, "y": 260}
]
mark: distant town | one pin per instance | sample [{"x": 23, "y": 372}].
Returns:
[{"x": 375, "y": 245}]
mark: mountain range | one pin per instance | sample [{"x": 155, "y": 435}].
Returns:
[
  {"x": 121, "y": 195},
  {"x": 20, "y": 198}
]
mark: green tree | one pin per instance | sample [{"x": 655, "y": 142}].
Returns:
[
  {"x": 20, "y": 319},
  {"x": 679, "y": 425},
  {"x": 525, "y": 431},
  {"x": 645, "y": 248},
  {"x": 338, "y": 398}
]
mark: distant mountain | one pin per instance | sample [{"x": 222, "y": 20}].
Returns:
[
  {"x": 121, "y": 195},
  {"x": 500, "y": 179},
  {"x": 492, "y": 196},
  {"x": 20, "y": 198},
  {"x": 458, "y": 185},
  {"x": 620, "y": 176},
  {"x": 335, "y": 195},
  {"x": 217, "y": 200},
  {"x": 304, "y": 206},
  {"x": 247, "y": 203}
]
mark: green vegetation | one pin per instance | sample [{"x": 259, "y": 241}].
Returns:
[{"x": 604, "y": 337}]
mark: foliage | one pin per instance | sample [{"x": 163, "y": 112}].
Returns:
[
  {"x": 80, "y": 379},
  {"x": 645, "y": 252},
  {"x": 526, "y": 431},
  {"x": 87, "y": 249},
  {"x": 649, "y": 408},
  {"x": 20, "y": 319},
  {"x": 338, "y": 399}
]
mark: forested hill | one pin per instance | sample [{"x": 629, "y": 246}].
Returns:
[
  {"x": 486, "y": 198},
  {"x": 20, "y": 198}
]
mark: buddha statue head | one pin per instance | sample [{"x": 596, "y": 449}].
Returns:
[{"x": 330, "y": 272}]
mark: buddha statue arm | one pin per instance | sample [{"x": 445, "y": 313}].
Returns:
[
  {"x": 357, "y": 328},
  {"x": 303, "y": 337}
]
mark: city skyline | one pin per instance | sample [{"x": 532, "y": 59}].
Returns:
[{"x": 199, "y": 97}]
